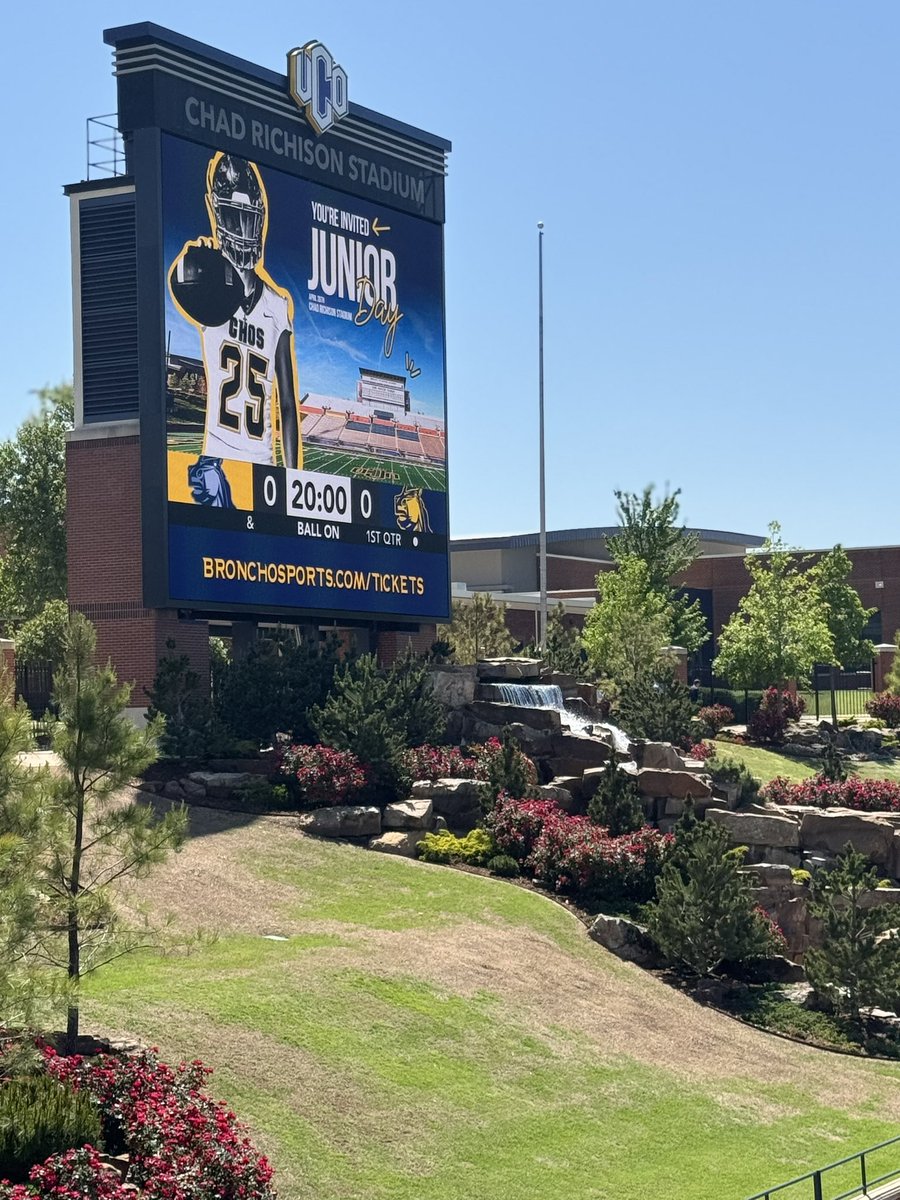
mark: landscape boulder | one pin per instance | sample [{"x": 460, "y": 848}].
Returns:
[
  {"x": 658, "y": 754},
  {"x": 501, "y": 669},
  {"x": 499, "y": 713},
  {"x": 403, "y": 842},
  {"x": 831, "y": 830},
  {"x": 453, "y": 686},
  {"x": 663, "y": 781},
  {"x": 449, "y": 797},
  {"x": 342, "y": 821},
  {"x": 757, "y": 827},
  {"x": 772, "y": 969},
  {"x": 587, "y": 749},
  {"x": 562, "y": 796},
  {"x": 408, "y": 814},
  {"x": 625, "y": 939}
]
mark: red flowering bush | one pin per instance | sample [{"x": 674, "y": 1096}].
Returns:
[
  {"x": 769, "y": 722},
  {"x": 779, "y": 941},
  {"x": 886, "y": 706},
  {"x": 713, "y": 717},
  {"x": 75, "y": 1175},
  {"x": 573, "y": 855},
  {"x": 182, "y": 1144},
  {"x": 439, "y": 762},
  {"x": 865, "y": 795},
  {"x": 323, "y": 776},
  {"x": 701, "y": 751}
]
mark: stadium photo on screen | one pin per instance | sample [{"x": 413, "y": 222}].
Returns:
[{"x": 376, "y": 435}]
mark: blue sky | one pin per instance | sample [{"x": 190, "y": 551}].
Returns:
[{"x": 720, "y": 185}]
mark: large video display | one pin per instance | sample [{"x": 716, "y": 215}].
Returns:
[{"x": 305, "y": 394}]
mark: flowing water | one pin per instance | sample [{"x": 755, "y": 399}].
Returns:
[{"x": 548, "y": 695}]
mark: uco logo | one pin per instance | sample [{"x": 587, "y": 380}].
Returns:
[{"x": 318, "y": 85}]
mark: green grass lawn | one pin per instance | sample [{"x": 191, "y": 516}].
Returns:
[
  {"x": 766, "y": 764},
  {"x": 424, "y": 1033}
]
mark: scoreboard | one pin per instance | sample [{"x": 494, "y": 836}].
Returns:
[{"x": 291, "y": 325}]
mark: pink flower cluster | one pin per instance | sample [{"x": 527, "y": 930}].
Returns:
[
  {"x": 700, "y": 750},
  {"x": 324, "y": 776},
  {"x": 183, "y": 1145},
  {"x": 573, "y": 855},
  {"x": 866, "y": 795},
  {"x": 439, "y": 762},
  {"x": 442, "y": 762},
  {"x": 75, "y": 1175},
  {"x": 886, "y": 706}
]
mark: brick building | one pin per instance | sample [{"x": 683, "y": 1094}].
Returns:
[{"x": 507, "y": 566}]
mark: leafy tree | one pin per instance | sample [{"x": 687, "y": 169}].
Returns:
[
  {"x": 22, "y": 823},
  {"x": 44, "y": 635},
  {"x": 845, "y": 614},
  {"x": 478, "y": 629},
  {"x": 95, "y": 839},
  {"x": 704, "y": 913},
  {"x": 858, "y": 965},
  {"x": 650, "y": 531},
  {"x": 563, "y": 649},
  {"x": 780, "y": 630},
  {"x": 626, "y": 629},
  {"x": 616, "y": 804},
  {"x": 657, "y": 707},
  {"x": 33, "y": 508}
]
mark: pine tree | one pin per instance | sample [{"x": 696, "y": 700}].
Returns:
[
  {"x": 704, "y": 913},
  {"x": 358, "y": 715},
  {"x": 858, "y": 964},
  {"x": 478, "y": 629},
  {"x": 96, "y": 840},
  {"x": 563, "y": 650},
  {"x": 617, "y": 802},
  {"x": 657, "y": 707},
  {"x": 413, "y": 704},
  {"x": 22, "y": 991}
]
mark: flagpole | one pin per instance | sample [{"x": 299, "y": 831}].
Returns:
[{"x": 542, "y": 550}]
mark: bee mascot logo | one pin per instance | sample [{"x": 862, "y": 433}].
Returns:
[{"x": 410, "y": 510}]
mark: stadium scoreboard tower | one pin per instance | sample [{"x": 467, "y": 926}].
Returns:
[{"x": 259, "y": 357}]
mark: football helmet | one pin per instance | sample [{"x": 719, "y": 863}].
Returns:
[{"x": 237, "y": 205}]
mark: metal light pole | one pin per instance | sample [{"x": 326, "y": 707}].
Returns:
[{"x": 542, "y": 550}]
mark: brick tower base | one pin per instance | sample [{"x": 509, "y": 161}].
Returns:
[{"x": 103, "y": 479}]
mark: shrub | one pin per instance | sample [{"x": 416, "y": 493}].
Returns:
[
  {"x": 322, "y": 776},
  {"x": 439, "y": 762},
  {"x": 501, "y": 762},
  {"x": 38, "y": 1117},
  {"x": 573, "y": 855},
  {"x": 700, "y": 750},
  {"x": 713, "y": 717},
  {"x": 801, "y": 876},
  {"x": 704, "y": 913},
  {"x": 865, "y": 795},
  {"x": 182, "y": 1144},
  {"x": 616, "y": 805},
  {"x": 886, "y": 707},
  {"x": 727, "y": 770},
  {"x": 504, "y": 768},
  {"x": 503, "y": 864},
  {"x": 259, "y": 795},
  {"x": 273, "y": 687},
  {"x": 475, "y": 849},
  {"x": 192, "y": 729},
  {"x": 769, "y": 722},
  {"x": 75, "y": 1175},
  {"x": 657, "y": 708}
]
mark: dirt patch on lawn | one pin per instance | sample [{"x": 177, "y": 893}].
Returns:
[{"x": 618, "y": 1009}]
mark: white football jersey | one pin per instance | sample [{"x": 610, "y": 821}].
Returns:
[{"x": 240, "y": 376}]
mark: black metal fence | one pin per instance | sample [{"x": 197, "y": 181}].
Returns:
[
  {"x": 855, "y": 1176},
  {"x": 852, "y": 689},
  {"x": 34, "y": 685}
]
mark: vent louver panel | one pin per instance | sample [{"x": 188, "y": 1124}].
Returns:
[{"x": 109, "y": 328}]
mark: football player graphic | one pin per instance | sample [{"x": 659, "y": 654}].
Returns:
[{"x": 246, "y": 328}]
